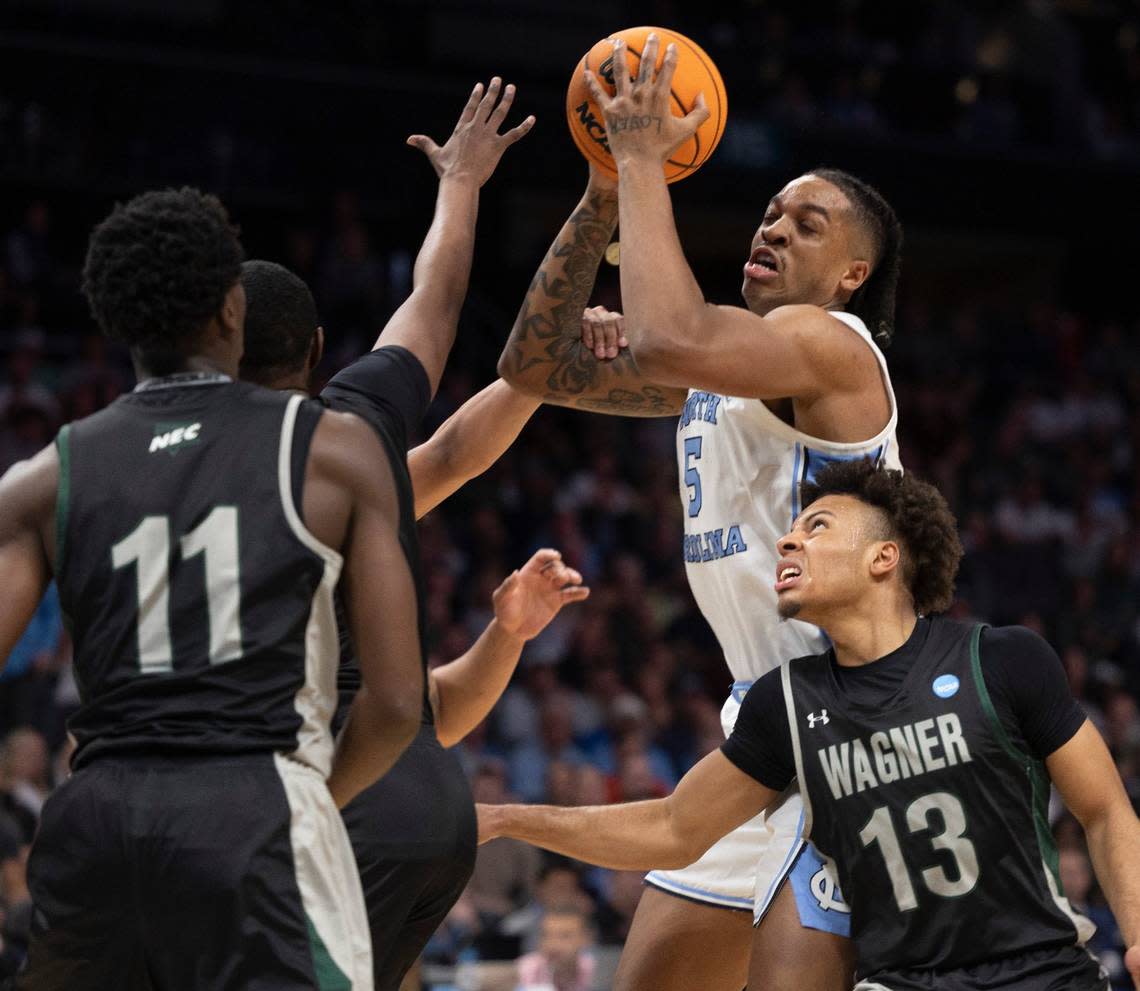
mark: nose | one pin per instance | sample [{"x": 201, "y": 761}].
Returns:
[
  {"x": 776, "y": 232},
  {"x": 789, "y": 543}
]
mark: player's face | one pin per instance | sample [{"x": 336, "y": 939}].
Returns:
[
  {"x": 803, "y": 248},
  {"x": 824, "y": 560}
]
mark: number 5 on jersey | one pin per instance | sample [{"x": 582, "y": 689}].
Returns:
[
  {"x": 148, "y": 548},
  {"x": 692, "y": 476}
]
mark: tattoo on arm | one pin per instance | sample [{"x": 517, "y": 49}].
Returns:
[{"x": 545, "y": 349}]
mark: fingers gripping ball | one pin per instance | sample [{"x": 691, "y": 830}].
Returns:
[{"x": 695, "y": 74}]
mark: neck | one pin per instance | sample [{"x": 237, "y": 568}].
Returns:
[
  {"x": 863, "y": 636},
  {"x": 290, "y": 382},
  {"x": 194, "y": 363}
]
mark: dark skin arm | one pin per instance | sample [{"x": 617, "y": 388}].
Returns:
[
  {"x": 468, "y": 442},
  {"x": 545, "y": 355},
  {"x": 27, "y": 541},
  {"x": 711, "y": 800},
  {"x": 350, "y": 502},
  {"x": 426, "y": 322}
]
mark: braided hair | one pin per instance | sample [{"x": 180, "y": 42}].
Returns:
[{"x": 874, "y": 300}]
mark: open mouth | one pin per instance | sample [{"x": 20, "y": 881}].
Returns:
[
  {"x": 787, "y": 575},
  {"x": 762, "y": 264}
]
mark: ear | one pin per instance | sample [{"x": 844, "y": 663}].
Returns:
[
  {"x": 231, "y": 317},
  {"x": 886, "y": 559},
  {"x": 855, "y": 276},
  {"x": 316, "y": 350}
]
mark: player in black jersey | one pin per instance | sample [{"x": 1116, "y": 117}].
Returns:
[
  {"x": 924, "y": 748},
  {"x": 414, "y": 831},
  {"x": 196, "y": 529}
]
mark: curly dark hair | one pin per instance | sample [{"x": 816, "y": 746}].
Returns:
[
  {"x": 917, "y": 517},
  {"x": 874, "y": 300},
  {"x": 280, "y": 321},
  {"x": 158, "y": 268}
]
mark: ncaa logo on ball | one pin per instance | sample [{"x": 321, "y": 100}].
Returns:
[{"x": 946, "y": 685}]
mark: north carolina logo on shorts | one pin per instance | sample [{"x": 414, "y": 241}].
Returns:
[
  {"x": 825, "y": 891},
  {"x": 945, "y": 685}
]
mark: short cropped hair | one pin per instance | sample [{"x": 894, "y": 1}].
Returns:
[
  {"x": 917, "y": 517},
  {"x": 280, "y": 321},
  {"x": 158, "y": 269},
  {"x": 874, "y": 301}
]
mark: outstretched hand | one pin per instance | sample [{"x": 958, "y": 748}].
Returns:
[
  {"x": 532, "y": 596},
  {"x": 638, "y": 117},
  {"x": 475, "y": 146}
]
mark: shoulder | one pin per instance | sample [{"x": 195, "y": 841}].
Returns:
[
  {"x": 345, "y": 448},
  {"x": 28, "y": 490},
  {"x": 1002, "y": 641},
  {"x": 826, "y": 336}
]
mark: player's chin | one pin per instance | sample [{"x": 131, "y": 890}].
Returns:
[
  {"x": 756, "y": 297},
  {"x": 787, "y": 605}
]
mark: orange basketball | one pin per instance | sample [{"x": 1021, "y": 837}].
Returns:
[{"x": 695, "y": 73}]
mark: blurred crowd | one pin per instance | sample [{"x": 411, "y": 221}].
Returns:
[{"x": 993, "y": 75}]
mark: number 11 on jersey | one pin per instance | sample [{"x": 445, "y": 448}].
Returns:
[{"x": 148, "y": 547}]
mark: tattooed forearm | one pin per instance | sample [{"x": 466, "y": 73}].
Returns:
[{"x": 545, "y": 355}]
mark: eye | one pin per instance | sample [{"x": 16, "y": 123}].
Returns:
[
  {"x": 818, "y": 523},
  {"x": 807, "y": 228},
  {"x": 771, "y": 217}
]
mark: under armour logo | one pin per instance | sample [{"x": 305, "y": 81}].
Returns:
[{"x": 823, "y": 717}]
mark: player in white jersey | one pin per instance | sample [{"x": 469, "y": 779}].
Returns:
[{"x": 765, "y": 395}]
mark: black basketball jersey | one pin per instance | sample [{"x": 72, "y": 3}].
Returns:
[
  {"x": 389, "y": 389},
  {"x": 199, "y": 604},
  {"x": 935, "y": 820}
]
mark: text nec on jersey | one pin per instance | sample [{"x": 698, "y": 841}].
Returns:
[
  {"x": 173, "y": 437},
  {"x": 903, "y": 752}
]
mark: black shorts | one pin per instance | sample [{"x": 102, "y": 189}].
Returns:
[
  {"x": 1061, "y": 968},
  {"x": 194, "y": 873},
  {"x": 413, "y": 833}
]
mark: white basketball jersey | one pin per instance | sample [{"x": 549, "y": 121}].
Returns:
[{"x": 740, "y": 469}]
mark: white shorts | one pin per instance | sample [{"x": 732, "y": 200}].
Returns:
[{"x": 744, "y": 869}]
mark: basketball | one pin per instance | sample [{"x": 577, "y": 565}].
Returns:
[{"x": 695, "y": 74}]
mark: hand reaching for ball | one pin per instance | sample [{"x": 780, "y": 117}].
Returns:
[
  {"x": 475, "y": 146},
  {"x": 638, "y": 117}
]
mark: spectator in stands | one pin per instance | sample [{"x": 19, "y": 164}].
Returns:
[{"x": 563, "y": 961}]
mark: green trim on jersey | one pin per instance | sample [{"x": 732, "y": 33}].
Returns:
[
  {"x": 1034, "y": 769},
  {"x": 62, "y": 493},
  {"x": 329, "y": 976}
]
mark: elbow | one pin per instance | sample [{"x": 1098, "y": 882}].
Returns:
[
  {"x": 510, "y": 372},
  {"x": 660, "y": 358},
  {"x": 401, "y": 714}
]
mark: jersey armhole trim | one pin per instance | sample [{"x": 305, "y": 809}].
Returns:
[
  {"x": 1034, "y": 769},
  {"x": 285, "y": 488},
  {"x": 62, "y": 494},
  {"x": 797, "y": 751}
]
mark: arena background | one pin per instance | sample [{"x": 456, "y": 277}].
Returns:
[{"x": 1007, "y": 135}]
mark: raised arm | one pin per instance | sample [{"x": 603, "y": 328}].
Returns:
[
  {"x": 545, "y": 355},
  {"x": 464, "y": 690},
  {"x": 348, "y": 475},
  {"x": 675, "y": 337},
  {"x": 1090, "y": 785},
  {"x": 467, "y": 443},
  {"x": 426, "y": 322},
  {"x": 27, "y": 508},
  {"x": 711, "y": 800}
]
